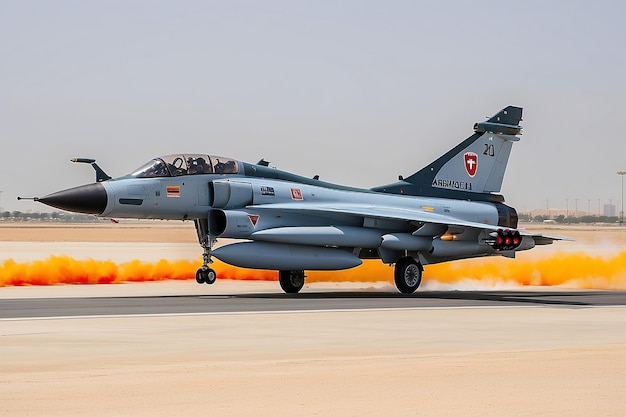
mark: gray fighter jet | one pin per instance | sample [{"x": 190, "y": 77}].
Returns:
[{"x": 444, "y": 212}]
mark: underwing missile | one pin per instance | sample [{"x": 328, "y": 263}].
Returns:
[{"x": 267, "y": 255}]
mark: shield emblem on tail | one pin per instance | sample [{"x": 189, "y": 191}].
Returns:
[{"x": 471, "y": 163}]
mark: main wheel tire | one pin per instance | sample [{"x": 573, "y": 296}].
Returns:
[
  {"x": 408, "y": 275},
  {"x": 291, "y": 281}
]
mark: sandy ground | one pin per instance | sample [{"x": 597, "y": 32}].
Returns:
[
  {"x": 516, "y": 361},
  {"x": 102, "y": 231}
]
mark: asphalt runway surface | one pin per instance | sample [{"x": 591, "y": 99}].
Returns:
[
  {"x": 245, "y": 348},
  {"x": 306, "y": 301}
]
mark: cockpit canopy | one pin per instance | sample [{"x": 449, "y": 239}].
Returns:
[{"x": 188, "y": 164}]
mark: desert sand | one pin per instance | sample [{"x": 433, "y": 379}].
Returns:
[{"x": 514, "y": 361}]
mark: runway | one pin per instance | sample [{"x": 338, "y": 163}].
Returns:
[
  {"x": 244, "y": 348},
  {"x": 246, "y": 302}
]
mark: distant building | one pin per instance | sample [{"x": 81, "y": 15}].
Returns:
[{"x": 609, "y": 210}]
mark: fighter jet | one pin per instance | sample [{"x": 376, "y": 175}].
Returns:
[{"x": 446, "y": 211}]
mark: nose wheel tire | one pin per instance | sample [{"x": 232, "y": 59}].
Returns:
[
  {"x": 291, "y": 281},
  {"x": 408, "y": 275},
  {"x": 205, "y": 276}
]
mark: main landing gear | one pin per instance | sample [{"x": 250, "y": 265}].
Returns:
[
  {"x": 291, "y": 281},
  {"x": 205, "y": 275},
  {"x": 408, "y": 275}
]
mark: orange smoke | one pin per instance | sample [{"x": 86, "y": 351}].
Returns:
[
  {"x": 65, "y": 270},
  {"x": 573, "y": 270}
]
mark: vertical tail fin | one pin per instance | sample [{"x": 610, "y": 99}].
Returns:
[{"x": 474, "y": 169}]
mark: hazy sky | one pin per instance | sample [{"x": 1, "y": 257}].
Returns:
[{"x": 355, "y": 91}]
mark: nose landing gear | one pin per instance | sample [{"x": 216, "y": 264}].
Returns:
[{"x": 205, "y": 275}]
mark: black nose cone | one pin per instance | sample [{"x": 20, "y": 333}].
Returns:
[{"x": 88, "y": 199}]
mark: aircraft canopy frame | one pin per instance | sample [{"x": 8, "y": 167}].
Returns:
[{"x": 186, "y": 164}]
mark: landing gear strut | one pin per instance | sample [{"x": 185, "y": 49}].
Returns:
[
  {"x": 408, "y": 275},
  {"x": 291, "y": 281},
  {"x": 205, "y": 275}
]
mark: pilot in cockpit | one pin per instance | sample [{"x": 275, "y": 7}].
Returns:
[
  {"x": 228, "y": 167},
  {"x": 201, "y": 166},
  {"x": 198, "y": 166},
  {"x": 192, "y": 167}
]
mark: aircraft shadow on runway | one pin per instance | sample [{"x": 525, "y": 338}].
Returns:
[
  {"x": 309, "y": 301},
  {"x": 565, "y": 298}
]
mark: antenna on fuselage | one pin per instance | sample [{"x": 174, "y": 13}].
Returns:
[{"x": 263, "y": 163}]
